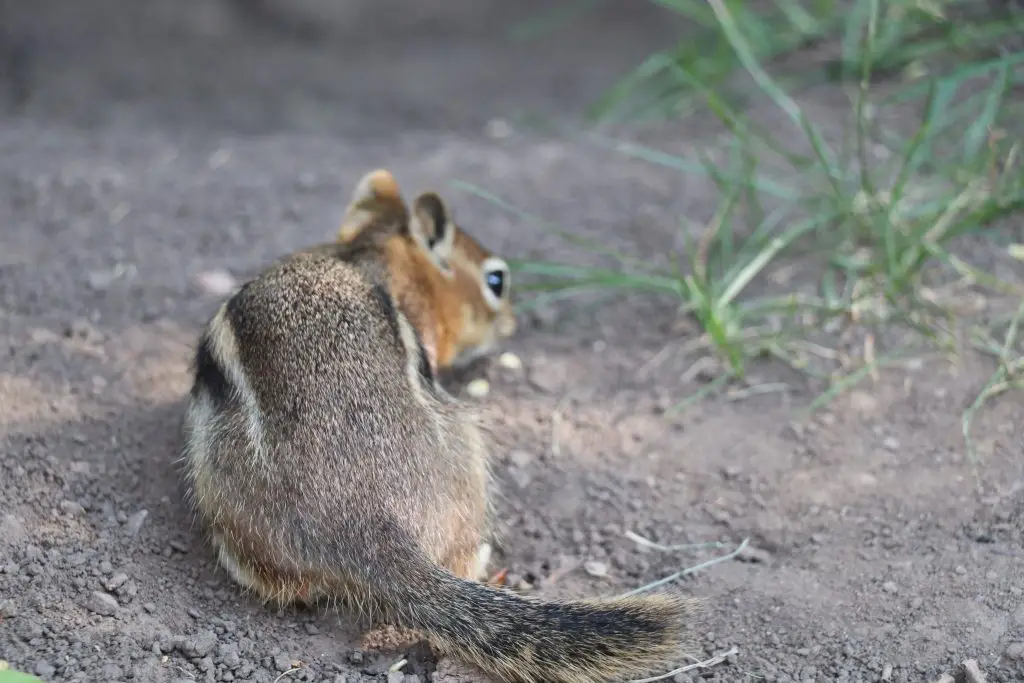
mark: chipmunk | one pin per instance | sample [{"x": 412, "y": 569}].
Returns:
[{"x": 327, "y": 462}]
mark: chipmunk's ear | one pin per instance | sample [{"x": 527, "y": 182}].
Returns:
[
  {"x": 376, "y": 198},
  {"x": 431, "y": 227}
]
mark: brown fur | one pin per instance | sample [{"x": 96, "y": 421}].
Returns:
[{"x": 327, "y": 462}]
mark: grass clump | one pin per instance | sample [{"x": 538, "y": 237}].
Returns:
[
  {"x": 9, "y": 675},
  {"x": 872, "y": 216}
]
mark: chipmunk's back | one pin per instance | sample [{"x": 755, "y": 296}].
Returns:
[
  {"x": 320, "y": 327},
  {"x": 337, "y": 388}
]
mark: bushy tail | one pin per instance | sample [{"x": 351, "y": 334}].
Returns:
[{"x": 519, "y": 639}]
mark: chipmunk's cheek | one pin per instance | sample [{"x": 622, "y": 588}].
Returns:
[{"x": 506, "y": 326}]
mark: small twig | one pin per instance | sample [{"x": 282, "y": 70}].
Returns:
[
  {"x": 706, "y": 664},
  {"x": 653, "y": 362},
  {"x": 689, "y": 570},
  {"x": 397, "y": 666},
  {"x": 289, "y": 672},
  {"x": 756, "y": 390},
  {"x": 556, "y": 422},
  {"x": 700, "y": 365},
  {"x": 708, "y": 388},
  {"x": 816, "y": 349},
  {"x": 640, "y": 540}
]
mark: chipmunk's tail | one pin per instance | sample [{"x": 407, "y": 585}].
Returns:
[{"x": 514, "y": 638}]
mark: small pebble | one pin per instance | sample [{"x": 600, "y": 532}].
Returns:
[
  {"x": 887, "y": 672},
  {"x": 478, "y": 388},
  {"x": 71, "y": 508},
  {"x": 219, "y": 158},
  {"x": 972, "y": 672},
  {"x": 595, "y": 568},
  {"x": 134, "y": 523},
  {"x": 103, "y": 604},
  {"x": 520, "y": 458},
  {"x": 217, "y": 282},
  {"x": 1015, "y": 651},
  {"x": 510, "y": 361},
  {"x": 891, "y": 444},
  {"x": 890, "y": 587},
  {"x": 200, "y": 645},
  {"x": 116, "y": 581},
  {"x": 498, "y": 129}
]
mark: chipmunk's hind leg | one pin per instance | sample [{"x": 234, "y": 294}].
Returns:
[{"x": 270, "y": 584}]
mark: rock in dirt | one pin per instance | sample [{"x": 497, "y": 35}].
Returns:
[
  {"x": 478, "y": 388},
  {"x": 972, "y": 672},
  {"x": 134, "y": 523},
  {"x": 1015, "y": 651},
  {"x": 199, "y": 645},
  {"x": 510, "y": 361},
  {"x": 116, "y": 581},
  {"x": 216, "y": 282},
  {"x": 754, "y": 554},
  {"x": 227, "y": 654},
  {"x": 44, "y": 670},
  {"x": 520, "y": 458},
  {"x": 102, "y": 603},
  {"x": 595, "y": 568},
  {"x": 12, "y": 531},
  {"x": 282, "y": 663},
  {"x": 71, "y": 508}
]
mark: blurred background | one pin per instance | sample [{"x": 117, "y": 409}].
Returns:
[{"x": 263, "y": 66}]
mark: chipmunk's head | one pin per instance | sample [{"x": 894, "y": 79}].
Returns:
[{"x": 453, "y": 290}]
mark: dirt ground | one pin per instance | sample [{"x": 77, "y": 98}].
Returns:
[{"x": 141, "y": 148}]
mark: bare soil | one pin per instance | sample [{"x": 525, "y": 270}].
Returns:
[{"x": 145, "y": 144}]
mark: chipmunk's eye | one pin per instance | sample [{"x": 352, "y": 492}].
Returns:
[{"x": 495, "y": 281}]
